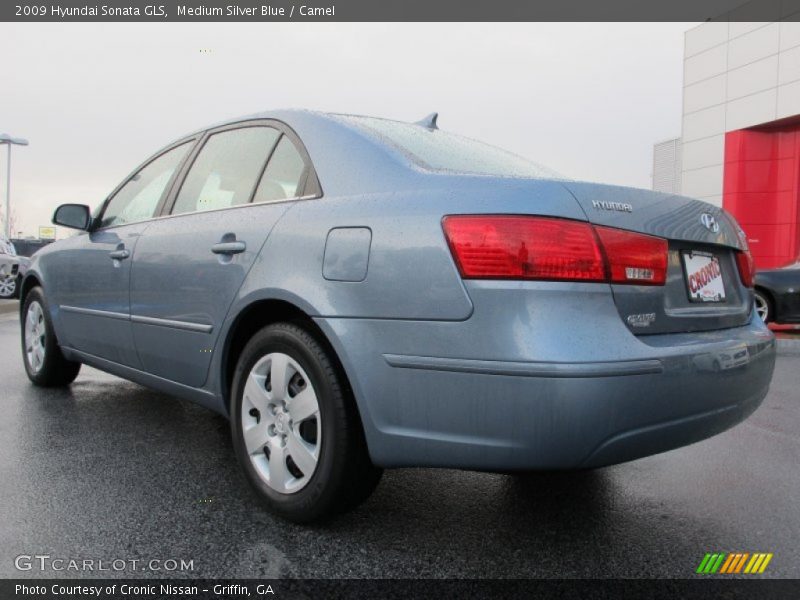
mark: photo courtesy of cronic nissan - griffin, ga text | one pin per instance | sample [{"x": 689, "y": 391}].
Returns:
[{"x": 356, "y": 294}]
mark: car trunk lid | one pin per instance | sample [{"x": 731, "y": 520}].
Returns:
[{"x": 703, "y": 289}]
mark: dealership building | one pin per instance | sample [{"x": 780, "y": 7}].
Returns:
[{"x": 740, "y": 140}]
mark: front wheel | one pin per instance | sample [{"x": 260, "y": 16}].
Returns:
[
  {"x": 44, "y": 362},
  {"x": 296, "y": 429}
]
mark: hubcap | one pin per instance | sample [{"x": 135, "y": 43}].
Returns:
[
  {"x": 281, "y": 423},
  {"x": 8, "y": 285},
  {"x": 762, "y": 308},
  {"x": 34, "y": 336}
]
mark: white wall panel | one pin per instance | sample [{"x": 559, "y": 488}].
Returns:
[
  {"x": 706, "y": 152},
  {"x": 790, "y": 34},
  {"x": 703, "y": 94},
  {"x": 751, "y": 110},
  {"x": 737, "y": 28},
  {"x": 705, "y": 36},
  {"x": 788, "y": 100},
  {"x": 701, "y": 183},
  {"x": 709, "y": 63},
  {"x": 789, "y": 66},
  {"x": 752, "y": 78},
  {"x": 704, "y": 123},
  {"x": 753, "y": 46}
]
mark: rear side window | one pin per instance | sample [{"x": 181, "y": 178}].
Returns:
[
  {"x": 284, "y": 176},
  {"x": 138, "y": 198},
  {"x": 225, "y": 172}
]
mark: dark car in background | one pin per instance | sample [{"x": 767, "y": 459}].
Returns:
[
  {"x": 30, "y": 245},
  {"x": 777, "y": 294}
]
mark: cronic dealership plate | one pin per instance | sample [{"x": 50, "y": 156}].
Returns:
[{"x": 703, "y": 277}]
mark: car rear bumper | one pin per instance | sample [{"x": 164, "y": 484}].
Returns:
[{"x": 463, "y": 404}]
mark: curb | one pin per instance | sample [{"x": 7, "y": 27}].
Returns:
[{"x": 8, "y": 306}]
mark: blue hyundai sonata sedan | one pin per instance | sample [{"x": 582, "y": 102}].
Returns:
[{"x": 358, "y": 294}]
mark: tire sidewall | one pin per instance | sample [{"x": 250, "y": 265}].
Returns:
[
  {"x": 50, "y": 345},
  {"x": 289, "y": 341}
]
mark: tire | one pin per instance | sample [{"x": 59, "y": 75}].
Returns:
[
  {"x": 764, "y": 306},
  {"x": 271, "y": 426},
  {"x": 44, "y": 362},
  {"x": 9, "y": 287}
]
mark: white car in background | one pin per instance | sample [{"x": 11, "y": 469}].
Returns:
[{"x": 12, "y": 269}]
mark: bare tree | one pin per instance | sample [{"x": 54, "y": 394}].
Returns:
[{"x": 12, "y": 226}]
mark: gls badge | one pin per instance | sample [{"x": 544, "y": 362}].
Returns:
[{"x": 641, "y": 320}]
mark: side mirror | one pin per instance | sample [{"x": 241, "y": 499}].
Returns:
[{"x": 75, "y": 216}]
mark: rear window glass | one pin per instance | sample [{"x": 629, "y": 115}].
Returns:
[{"x": 436, "y": 150}]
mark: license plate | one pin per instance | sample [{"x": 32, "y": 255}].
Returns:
[{"x": 703, "y": 277}]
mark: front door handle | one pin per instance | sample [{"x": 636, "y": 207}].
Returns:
[
  {"x": 229, "y": 248},
  {"x": 120, "y": 254}
]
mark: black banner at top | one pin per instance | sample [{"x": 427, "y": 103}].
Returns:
[{"x": 196, "y": 11}]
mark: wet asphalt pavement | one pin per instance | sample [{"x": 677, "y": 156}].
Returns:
[{"x": 110, "y": 470}]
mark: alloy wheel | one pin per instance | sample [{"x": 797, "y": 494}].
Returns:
[
  {"x": 35, "y": 333},
  {"x": 762, "y": 307},
  {"x": 281, "y": 423},
  {"x": 8, "y": 285}
]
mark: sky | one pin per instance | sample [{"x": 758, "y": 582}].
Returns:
[{"x": 586, "y": 99}]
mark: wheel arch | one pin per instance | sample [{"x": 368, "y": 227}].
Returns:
[
  {"x": 30, "y": 281},
  {"x": 257, "y": 315}
]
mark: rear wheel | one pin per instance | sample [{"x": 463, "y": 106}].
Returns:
[
  {"x": 44, "y": 362},
  {"x": 296, "y": 430},
  {"x": 763, "y": 306}
]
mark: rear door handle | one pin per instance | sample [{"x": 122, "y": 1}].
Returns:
[
  {"x": 229, "y": 248},
  {"x": 120, "y": 254}
]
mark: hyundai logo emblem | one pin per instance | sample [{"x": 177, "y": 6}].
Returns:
[{"x": 709, "y": 222}]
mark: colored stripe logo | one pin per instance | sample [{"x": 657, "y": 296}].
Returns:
[{"x": 734, "y": 563}]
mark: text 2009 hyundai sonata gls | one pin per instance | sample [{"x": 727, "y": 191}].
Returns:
[{"x": 359, "y": 293}]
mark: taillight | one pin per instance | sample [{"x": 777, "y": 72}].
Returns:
[
  {"x": 523, "y": 247},
  {"x": 747, "y": 268},
  {"x": 634, "y": 257},
  {"x": 510, "y": 247}
]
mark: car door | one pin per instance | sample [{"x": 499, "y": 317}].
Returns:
[
  {"x": 190, "y": 264},
  {"x": 91, "y": 271}
]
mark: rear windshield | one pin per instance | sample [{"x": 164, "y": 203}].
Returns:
[{"x": 436, "y": 150}]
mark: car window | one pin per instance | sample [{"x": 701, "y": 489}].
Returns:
[
  {"x": 138, "y": 198},
  {"x": 284, "y": 174},
  {"x": 437, "y": 150},
  {"x": 225, "y": 172}
]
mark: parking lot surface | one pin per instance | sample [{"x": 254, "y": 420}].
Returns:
[{"x": 109, "y": 470}]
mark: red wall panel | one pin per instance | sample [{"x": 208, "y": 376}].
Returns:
[{"x": 761, "y": 188}]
